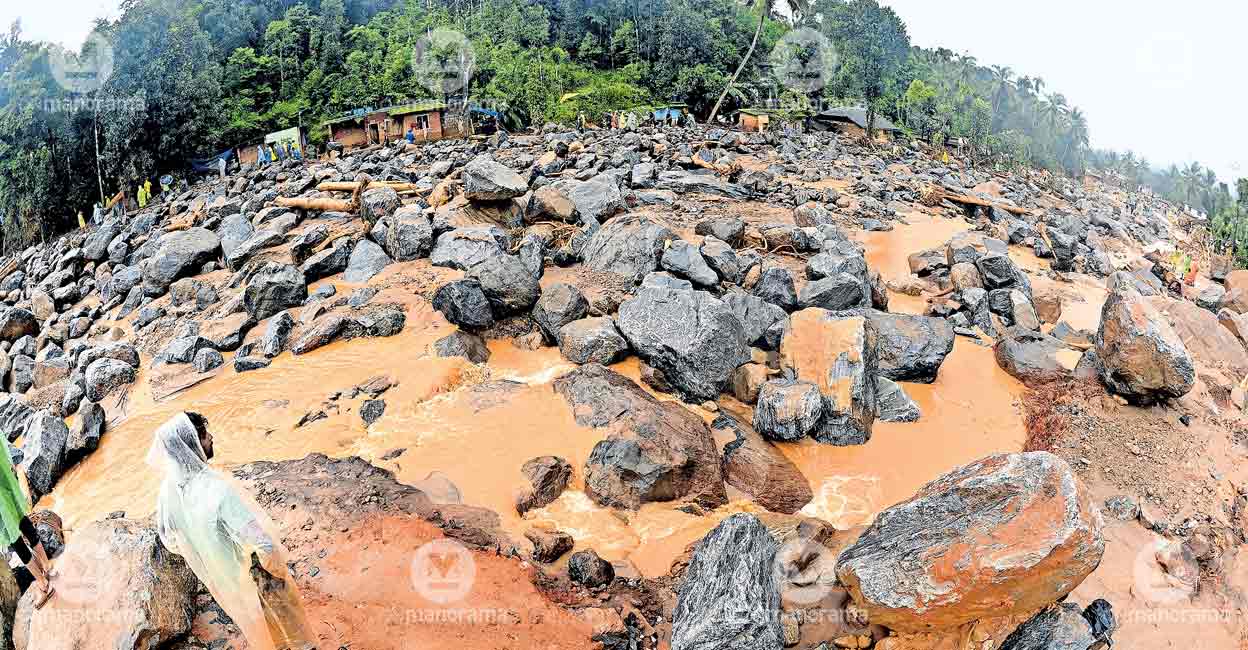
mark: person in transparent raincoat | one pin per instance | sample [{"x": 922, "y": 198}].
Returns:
[{"x": 225, "y": 538}]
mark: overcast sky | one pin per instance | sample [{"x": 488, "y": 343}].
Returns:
[{"x": 1163, "y": 78}]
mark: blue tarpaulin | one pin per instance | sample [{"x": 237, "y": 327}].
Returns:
[{"x": 206, "y": 165}]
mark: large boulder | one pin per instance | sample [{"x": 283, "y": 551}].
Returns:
[
  {"x": 1034, "y": 358},
  {"x": 464, "y": 248},
  {"x": 692, "y": 337},
  {"x": 179, "y": 254},
  {"x": 1005, "y": 535},
  {"x": 84, "y": 438},
  {"x": 233, "y": 231},
  {"x": 378, "y": 203},
  {"x": 592, "y": 340},
  {"x": 655, "y": 451},
  {"x": 410, "y": 235},
  {"x": 274, "y": 289},
  {"x": 509, "y": 285},
  {"x": 729, "y": 598},
  {"x": 95, "y": 248},
  {"x": 559, "y": 305},
  {"x": 486, "y": 179},
  {"x": 1142, "y": 357},
  {"x": 838, "y": 355},
  {"x": 126, "y": 592},
  {"x": 911, "y": 348},
  {"x": 44, "y": 453},
  {"x": 331, "y": 261},
  {"x": 754, "y": 466},
  {"x": 367, "y": 260},
  {"x": 596, "y": 199},
  {"x": 757, "y": 316},
  {"x": 463, "y": 303},
  {"x": 16, "y": 322},
  {"x": 788, "y": 410},
  {"x": 106, "y": 374},
  {"x": 629, "y": 246},
  {"x": 685, "y": 260}
]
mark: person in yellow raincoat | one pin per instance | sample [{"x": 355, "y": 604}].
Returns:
[
  {"x": 142, "y": 196},
  {"x": 226, "y": 539}
]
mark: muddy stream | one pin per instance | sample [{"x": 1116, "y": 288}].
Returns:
[{"x": 444, "y": 419}]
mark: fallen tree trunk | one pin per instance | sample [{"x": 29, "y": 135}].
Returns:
[
  {"x": 323, "y": 205},
  {"x": 933, "y": 195},
  {"x": 347, "y": 186}
]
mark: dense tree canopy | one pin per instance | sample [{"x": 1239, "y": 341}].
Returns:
[{"x": 189, "y": 78}]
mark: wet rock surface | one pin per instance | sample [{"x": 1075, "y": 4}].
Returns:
[{"x": 984, "y": 517}]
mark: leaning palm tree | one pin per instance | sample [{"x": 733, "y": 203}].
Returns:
[{"x": 766, "y": 9}]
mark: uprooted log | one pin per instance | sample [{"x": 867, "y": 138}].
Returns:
[
  {"x": 9, "y": 266},
  {"x": 320, "y": 204},
  {"x": 347, "y": 186},
  {"x": 934, "y": 195}
]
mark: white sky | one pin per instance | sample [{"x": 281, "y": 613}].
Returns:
[
  {"x": 58, "y": 21},
  {"x": 1165, "y": 79},
  {"x": 1162, "y": 78}
]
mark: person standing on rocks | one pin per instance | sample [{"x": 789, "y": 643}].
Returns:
[
  {"x": 19, "y": 533},
  {"x": 225, "y": 538}
]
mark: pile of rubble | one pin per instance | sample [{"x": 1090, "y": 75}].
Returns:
[{"x": 784, "y": 313}]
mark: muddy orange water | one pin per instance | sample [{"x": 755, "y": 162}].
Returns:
[{"x": 452, "y": 417}]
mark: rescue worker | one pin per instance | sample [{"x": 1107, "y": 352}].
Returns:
[
  {"x": 225, "y": 538},
  {"x": 19, "y": 533}
]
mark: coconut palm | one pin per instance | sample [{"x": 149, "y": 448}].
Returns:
[{"x": 766, "y": 9}]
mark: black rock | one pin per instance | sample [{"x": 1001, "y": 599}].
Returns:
[
  {"x": 372, "y": 410},
  {"x": 592, "y": 340},
  {"x": 463, "y": 303},
  {"x": 274, "y": 289},
  {"x": 559, "y": 305},
  {"x": 775, "y": 285},
  {"x": 462, "y": 344},
  {"x": 586, "y": 568},
  {"x": 508, "y": 285},
  {"x": 729, "y": 597}
]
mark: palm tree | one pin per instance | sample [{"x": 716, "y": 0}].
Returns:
[
  {"x": 766, "y": 9},
  {"x": 1003, "y": 84}
]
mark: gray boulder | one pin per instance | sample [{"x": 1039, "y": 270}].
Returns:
[
  {"x": 592, "y": 340},
  {"x": 757, "y": 316},
  {"x": 463, "y": 303},
  {"x": 559, "y": 305},
  {"x": 509, "y": 285},
  {"x": 488, "y": 180},
  {"x": 95, "y": 248},
  {"x": 838, "y": 354},
  {"x": 106, "y": 374},
  {"x": 462, "y": 344},
  {"x": 179, "y": 254},
  {"x": 630, "y": 246},
  {"x": 464, "y": 248},
  {"x": 84, "y": 438},
  {"x": 367, "y": 260},
  {"x": 378, "y": 203},
  {"x": 839, "y": 292},
  {"x": 788, "y": 410},
  {"x": 410, "y": 236},
  {"x": 233, "y": 231},
  {"x": 331, "y": 261},
  {"x": 274, "y": 289},
  {"x": 44, "y": 453},
  {"x": 911, "y": 348},
  {"x": 684, "y": 259},
  {"x": 730, "y": 597},
  {"x": 775, "y": 285},
  {"x": 692, "y": 337}
]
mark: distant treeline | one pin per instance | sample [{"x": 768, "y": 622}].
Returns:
[{"x": 189, "y": 78}]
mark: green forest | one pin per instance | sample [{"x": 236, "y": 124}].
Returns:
[{"x": 190, "y": 78}]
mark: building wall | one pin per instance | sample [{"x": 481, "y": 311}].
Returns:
[
  {"x": 433, "y": 132},
  {"x": 349, "y": 134}
]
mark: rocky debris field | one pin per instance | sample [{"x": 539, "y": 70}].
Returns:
[{"x": 747, "y": 276}]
